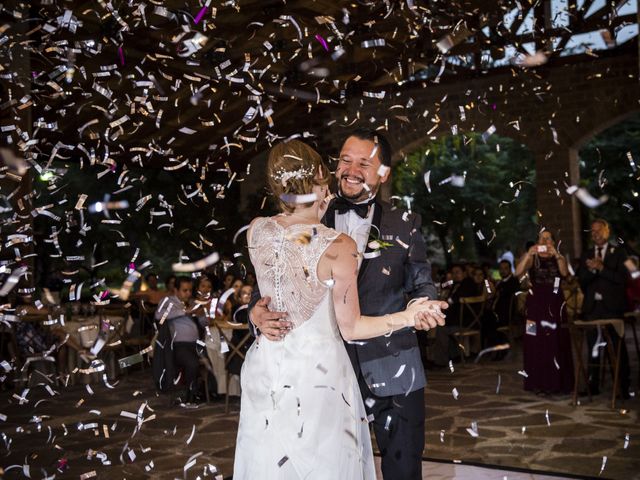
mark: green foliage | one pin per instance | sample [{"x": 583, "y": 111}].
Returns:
[
  {"x": 167, "y": 224},
  {"x": 605, "y": 170},
  {"x": 494, "y": 172}
]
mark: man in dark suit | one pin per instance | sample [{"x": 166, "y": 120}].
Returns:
[
  {"x": 393, "y": 269},
  {"x": 602, "y": 275}
]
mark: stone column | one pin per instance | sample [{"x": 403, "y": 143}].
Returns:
[{"x": 560, "y": 213}]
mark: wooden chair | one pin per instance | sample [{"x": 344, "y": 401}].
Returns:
[
  {"x": 118, "y": 341},
  {"x": 630, "y": 320},
  {"x": 579, "y": 329},
  {"x": 234, "y": 350},
  {"x": 510, "y": 328},
  {"x": 40, "y": 317},
  {"x": 470, "y": 308}
]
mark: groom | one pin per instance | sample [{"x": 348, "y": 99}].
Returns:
[{"x": 393, "y": 268}]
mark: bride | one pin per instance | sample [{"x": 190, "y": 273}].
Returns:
[{"x": 302, "y": 415}]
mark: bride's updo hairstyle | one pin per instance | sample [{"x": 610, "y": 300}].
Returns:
[{"x": 293, "y": 169}]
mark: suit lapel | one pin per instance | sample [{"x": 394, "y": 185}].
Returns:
[
  {"x": 329, "y": 218},
  {"x": 375, "y": 221}
]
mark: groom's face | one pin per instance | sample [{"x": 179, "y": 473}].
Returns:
[{"x": 358, "y": 168}]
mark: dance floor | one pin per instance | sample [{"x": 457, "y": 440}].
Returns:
[
  {"x": 451, "y": 471},
  {"x": 131, "y": 432}
]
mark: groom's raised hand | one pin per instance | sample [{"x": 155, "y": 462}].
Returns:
[{"x": 271, "y": 324}]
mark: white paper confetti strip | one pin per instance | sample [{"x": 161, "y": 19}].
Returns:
[
  {"x": 604, "y": 463},
  {"x": 193, "y": 432},
  {"x": 198, "y": 265},
  {"x": 427, "y": 180},
  {"x": 400, "y": 371},
  {"x": 12, "y": 281}
]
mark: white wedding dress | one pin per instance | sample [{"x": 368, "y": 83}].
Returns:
[{"x": 301, "y": 414}]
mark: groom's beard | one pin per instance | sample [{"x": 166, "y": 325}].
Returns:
[{"x": 360, "y": 196}]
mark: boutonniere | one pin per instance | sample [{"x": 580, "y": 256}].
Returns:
[{"x": 375, "y": 245}]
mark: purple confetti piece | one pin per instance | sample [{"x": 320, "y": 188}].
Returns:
[
  {"x": 323, "y": 42},
  {"x": 121, "y": 55},
  {"x": 201, "y": 13}
]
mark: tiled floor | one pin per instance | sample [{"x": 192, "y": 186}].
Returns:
[
  {"x": 514, "y": 430},
  {"x": 449, "y": 471}
]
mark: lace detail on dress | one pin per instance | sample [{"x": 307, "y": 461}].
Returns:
[{"x": 285, "y": 260}]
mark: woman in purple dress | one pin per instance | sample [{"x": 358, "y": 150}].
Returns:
[{"x": 548, "y": 362}]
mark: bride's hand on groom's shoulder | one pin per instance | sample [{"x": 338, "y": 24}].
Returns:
[
  {"x": 427, "y": 313},
  {"x": 271, "y": 324}
]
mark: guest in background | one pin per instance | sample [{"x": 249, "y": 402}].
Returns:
[
  {"x": 185, "y": 329},
  {"x": 250, "y": 279},
  {"x": 170, "y": 285},
  {"x": 508, "y": 256},
  {"x": 152, "y": 295},
  {"x": 227, "y": 282},
  {"x": 548, "y": 361},
  {"x": 445, "y": 347},
  {"x": 240, "y": 316},
  {"x": 603, "y": 275},
  {"x": 502, "y": 308},
  {"x": 203, "y": 294},
  {"x": 233, "y": 302}
]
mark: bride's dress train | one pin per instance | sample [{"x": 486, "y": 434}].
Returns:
[{"x": 302, "y": 415}]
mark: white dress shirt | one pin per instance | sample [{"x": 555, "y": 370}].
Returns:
[
  {"x": 605, "y": 247},
  {"x": 356, "y": 227}
]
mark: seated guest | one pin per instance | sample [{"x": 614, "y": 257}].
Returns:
[
  {"x": 508, "y": 256},
  {"x": 483, "y": 284},
  {"x": 227, "y": 282},
  {"x": 152, "y": 295},
  {"x": 506, "y": 289},
  {"x": 184, "y": 330},
  {"x": 445, "y": 347},
  {"x": 204, "y": 288},
  {"x": 233, "y": 302},
  {"x": 250, "y": 279},
  {"x": 240, "y": 316},
  {"x": 463, "y": 286},
  {"x": 37, "y": 340},
  {"x": 502, "y": 308},
  {"x": 170, "y": 285}
]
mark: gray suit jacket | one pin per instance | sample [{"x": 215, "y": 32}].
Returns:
[{"x": 391, "y": 365}]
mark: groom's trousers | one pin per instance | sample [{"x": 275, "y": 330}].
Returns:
[{"x": 398, "y": 424}]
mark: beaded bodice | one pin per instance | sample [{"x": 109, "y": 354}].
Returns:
[{"x": 285, "y": 260}]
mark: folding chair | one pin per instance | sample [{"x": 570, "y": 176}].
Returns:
[
  {"x": 578, "y": 336},
  {"x": 471, "y": 308},
  {"x": 630, "y": 319},
  {"x": 511, "y": 327},
  {"x": 234, "y": 350}
]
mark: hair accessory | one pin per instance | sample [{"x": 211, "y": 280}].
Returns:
[{"x": 284, "y": 176}]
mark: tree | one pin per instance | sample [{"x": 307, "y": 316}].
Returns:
[
  {"x": 493, "y": 209},
  {"x": 610, "y": 165}
]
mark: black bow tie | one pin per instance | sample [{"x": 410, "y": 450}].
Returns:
[{"x": 342, "y": 205}]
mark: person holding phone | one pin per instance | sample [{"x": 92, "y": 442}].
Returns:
[{"x": 548, "y": 363}]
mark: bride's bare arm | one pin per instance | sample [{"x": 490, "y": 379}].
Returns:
[{"x": 339, "y": 267}]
